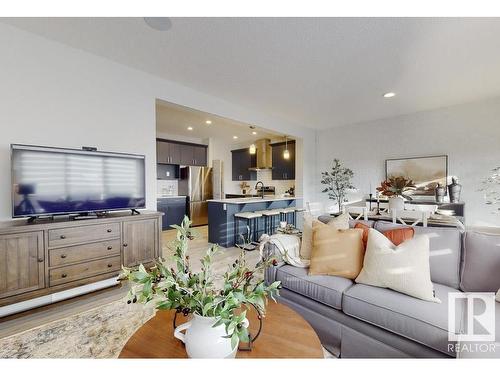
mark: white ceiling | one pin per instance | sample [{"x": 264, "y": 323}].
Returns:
[
  {"x": 175, "y": 119},
  {"x": 319, "y": 72}
]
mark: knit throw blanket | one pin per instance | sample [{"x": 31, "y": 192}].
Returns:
[{"x": 288, "y": 247}]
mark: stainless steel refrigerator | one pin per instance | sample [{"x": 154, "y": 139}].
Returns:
[{"x": 196, "y": 184}]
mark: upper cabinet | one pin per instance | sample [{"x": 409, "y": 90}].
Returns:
[
  {"x": 170, "y": 152},
  {"x": 242, "y": 160},
  {"x": 283, "y": 169}
]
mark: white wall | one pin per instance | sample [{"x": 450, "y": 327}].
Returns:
[
  {"x": 52, "y": 94},
  {"x": 469, "y": 134}
]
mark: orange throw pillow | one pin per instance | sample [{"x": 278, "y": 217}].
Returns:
[
  {"x": 397, "y": 236},
  {"x": 366, "y": 229}
]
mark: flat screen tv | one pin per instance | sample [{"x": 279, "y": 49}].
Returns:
[{"x": 56, "y": 181}]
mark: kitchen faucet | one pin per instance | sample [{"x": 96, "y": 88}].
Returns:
[{"x": 262, "y": 191}]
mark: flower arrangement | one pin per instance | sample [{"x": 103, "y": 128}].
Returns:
[
  {"x": 188, "y": 292},
  {"x": 396, "y": 186}
]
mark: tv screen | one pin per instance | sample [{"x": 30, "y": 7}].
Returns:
[{"x": 50, "y": 181}]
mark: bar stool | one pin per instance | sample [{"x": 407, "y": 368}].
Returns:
[
  {"x": 285, "y": 212},
  {"x": 251, "y": 224},
  {"x": 297, "y": 211},
  {"x": 270, "y": 222}
]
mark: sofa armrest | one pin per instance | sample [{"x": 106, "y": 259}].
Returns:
[{"x": 270, "y": 251}]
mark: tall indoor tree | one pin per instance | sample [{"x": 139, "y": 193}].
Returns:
[{"x": 338, "y": 182}]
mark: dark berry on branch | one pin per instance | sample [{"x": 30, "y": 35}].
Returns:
[
  {"x": 134, "y": 300},
  {"x": 129, "y": 301},
  {"x": 179, "y": 309},
  {"x": 275, "y": 262}
]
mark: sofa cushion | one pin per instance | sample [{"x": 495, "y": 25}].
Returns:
[
  {"x": 404, "y": 268},
  {"x": 418, "y": 320},
  {"x": 481, "y": 262},
  {"x": 310, "y": 224},
  {"x": 324, "y": 289},
  {"x": 337, "y": 252},
  {"x": 445, "y": 251}
]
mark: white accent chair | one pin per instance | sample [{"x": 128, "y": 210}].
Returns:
[{"x": 419, "y": 213}]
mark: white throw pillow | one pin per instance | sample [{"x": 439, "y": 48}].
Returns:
[
  {"x": 339, "y": 222},
  {"x": 404, "y": 268}
]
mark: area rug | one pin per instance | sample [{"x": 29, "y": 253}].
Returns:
[{"x": 97, "y": 333}]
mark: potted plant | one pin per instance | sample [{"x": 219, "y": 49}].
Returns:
[
  {"x": 491, "y": 188},
  {"x": 338, "y": 182},
  {"x": 217, "y": 304},
  {"x": 396, "y": 189}
]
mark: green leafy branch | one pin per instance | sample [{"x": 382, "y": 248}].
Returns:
[{"x": 188, "y": 292}]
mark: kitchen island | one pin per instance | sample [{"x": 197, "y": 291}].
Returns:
[{"x": 221, "y": 215}]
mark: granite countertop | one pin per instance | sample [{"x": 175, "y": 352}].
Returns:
[{"x": 252, "y": 200}]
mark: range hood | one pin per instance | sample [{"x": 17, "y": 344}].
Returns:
[{"x": 264, "y": 155}]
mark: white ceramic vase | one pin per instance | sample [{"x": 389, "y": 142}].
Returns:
[
  {"x": 205, "y": 341},
  {"x": 396, "y": 203}
]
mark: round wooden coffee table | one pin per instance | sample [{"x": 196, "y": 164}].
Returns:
[{"x": 285, "y": 334}]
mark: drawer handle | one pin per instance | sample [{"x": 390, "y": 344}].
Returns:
[
  {"x": 125, "y": 245},
  {"x": 40, "y": 260},
  {"x": 110, "y": 247},
  {"x": 63, "y": 256},
  {"x": 110, "y": 230},
  {"x": 110, "y": 265},
  {"x": 62, "y": 236},
  {"x": 64, "y": 275}
]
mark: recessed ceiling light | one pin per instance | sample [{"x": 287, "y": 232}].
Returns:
[
  {"x": 389, "y": 94},
  {"x": 235, "y": 137},
  {"x": 158, "y": 23},
  {"x": 208, "y": 122},
  {"x": 190, "y": 128},
  {"x": 254, "y": 133}
]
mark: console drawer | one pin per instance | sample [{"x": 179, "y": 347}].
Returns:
[
  {"x": 80, "y": 253},
  {"x": 83, "y": 234},
  {"x": 80, "y": 271}
]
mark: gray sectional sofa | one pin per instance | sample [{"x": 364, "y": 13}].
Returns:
[{"x": 361, "y": 321}]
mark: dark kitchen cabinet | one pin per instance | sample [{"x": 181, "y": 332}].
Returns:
[
  {"x": 162, "y": 152},
  {"x": 194, "y": 155},
  {"x": 200, "y": 156},
  {"x": 175, "y": 153},
  {"x": 283, "y": 169},
  {"x": 242, "y": 160},
  {"x": 168, "y": 152},
  {"x": 174, "y": 209},
  {"x": 180, "y": 153}
]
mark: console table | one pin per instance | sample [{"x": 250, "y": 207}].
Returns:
[{"x": 41, "y": 258}]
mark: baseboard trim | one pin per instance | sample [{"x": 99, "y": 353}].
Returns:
[{"x": 56, "y": 297}]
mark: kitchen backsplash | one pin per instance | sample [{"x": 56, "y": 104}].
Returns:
[
  {"x": 167, "y": 187},
  {"x": 266, "y": 177}
]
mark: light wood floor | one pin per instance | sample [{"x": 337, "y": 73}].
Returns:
[{"x": 33, "y": 318}]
